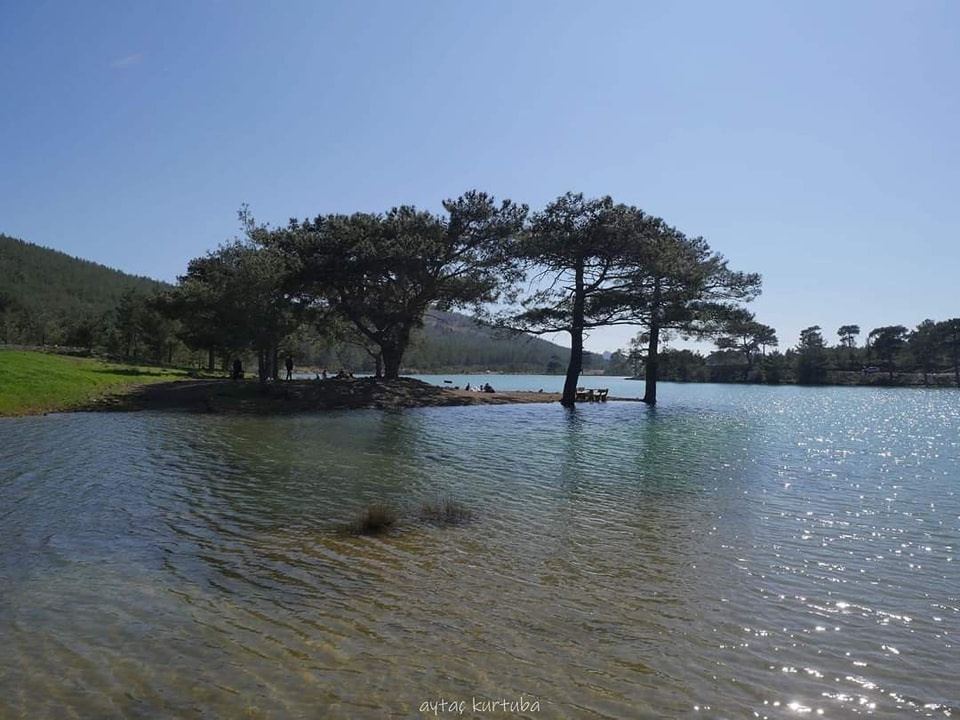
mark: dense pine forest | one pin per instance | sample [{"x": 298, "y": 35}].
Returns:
[{"x": 50, "y": 298}]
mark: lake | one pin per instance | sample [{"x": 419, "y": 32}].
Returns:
[{"x": 735, "y": 552}]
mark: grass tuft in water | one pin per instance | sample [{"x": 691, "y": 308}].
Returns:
[
  {"x": 445, "y": 511},
  {"x": 381, "y": 518},
  {"x": 376, "y": 519}
]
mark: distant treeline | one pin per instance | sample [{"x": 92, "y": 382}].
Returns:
[{"x": 885, "y": 355}]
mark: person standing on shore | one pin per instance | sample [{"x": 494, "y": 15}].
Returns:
[{"x": 289, "y": 365}]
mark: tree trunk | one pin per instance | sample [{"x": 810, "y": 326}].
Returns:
[
  {"x": 377, "y": 357},
  {"x": 392, "y": 349},
  {"x": 956, "y": 351},
  {"x": 263, "y": 366},
  {"x": 653, "y": 361},
  {"x": 573, "y": 369},
  {"x": 392, "y": 358},
  {"x": 575, "y": 366},
  {"x": 653, "y": 349},
  {"x": 210, "y": 360}
]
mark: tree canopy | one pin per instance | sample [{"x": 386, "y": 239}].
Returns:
[
  {"x": 233, "y": 300},
  {"x": 593, "y": 263},
  {"x": 740, "y": 331},
  {"x": 573, "y": 255},
  {"x": 812, "y": 359},
  {"x": 680, "y": 283},
  {"x": 886, "y": 342},
  {"x": 382, "y": 272}
]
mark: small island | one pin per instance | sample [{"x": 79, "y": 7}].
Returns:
[{"x": 299, "y": 396}]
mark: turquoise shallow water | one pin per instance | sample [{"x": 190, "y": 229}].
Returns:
[{"x": 734, "y": 552}]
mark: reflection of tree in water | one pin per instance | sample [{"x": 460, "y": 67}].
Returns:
[
  {"x": 266, "y": 494},
  {"x": 256, "y": 500},
  {"x": 304, "y": 471},
  {"x": 652, "y": 479},
  {"x": 605, "y": 539}
]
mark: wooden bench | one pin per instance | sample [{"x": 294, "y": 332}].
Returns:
[{"x": 591, "y": 395}]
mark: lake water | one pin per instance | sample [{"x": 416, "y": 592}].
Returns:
[{"x": 734, "y": 552}]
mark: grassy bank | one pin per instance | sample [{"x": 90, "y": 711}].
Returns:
[{"x": 34, "y": 382}]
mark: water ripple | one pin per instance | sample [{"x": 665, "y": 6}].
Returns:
[{"x": 764, "y": 552}]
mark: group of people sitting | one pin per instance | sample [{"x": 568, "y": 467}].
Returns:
[
  {"x": 342, "y": 375},
  {"x": 480, "y": 388},
  {"x": 236, "y": 372}
]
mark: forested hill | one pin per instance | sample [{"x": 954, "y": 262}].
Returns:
[
  {"x": 43, "y": 291},
  {"x": 450, "y": 341}
]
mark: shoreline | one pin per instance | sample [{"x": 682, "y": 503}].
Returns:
[
  {"x": 844, "y": 378},
  {"x": 247, "y": 397},
  {"x": 289, "y": 397}
]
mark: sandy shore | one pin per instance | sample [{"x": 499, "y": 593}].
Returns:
[{"x": 296, "y": 396}]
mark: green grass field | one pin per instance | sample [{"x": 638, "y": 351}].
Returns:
[{"x": 34, "y": 382}]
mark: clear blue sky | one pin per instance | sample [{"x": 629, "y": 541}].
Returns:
[{"x": 817, "y": 143}]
